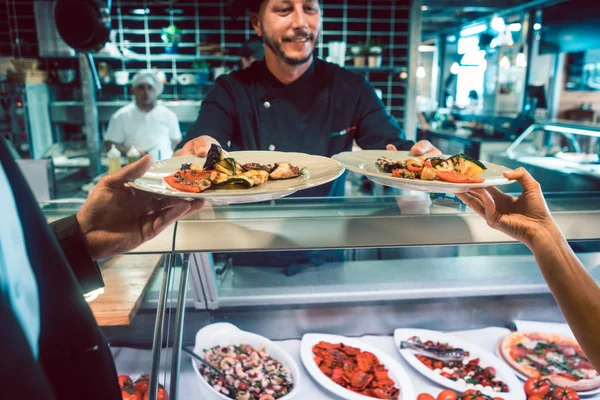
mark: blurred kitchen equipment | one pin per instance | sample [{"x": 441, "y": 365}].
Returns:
[
  {"x": 186, "y": 79},
  {"x": 66, "y": 76},
  {"x": 122, "y": 77},
  {"x": 104, "y": 72},
  {"x": 213, "y": 49},
  {"x": 337, "y": 53},
  {"x": 85, "y": 26},
  {"x": 25, "y": 71},
  {"x": 25, "y": 64}
]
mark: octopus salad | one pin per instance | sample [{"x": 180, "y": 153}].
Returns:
[{"x": 254, "y": 374}]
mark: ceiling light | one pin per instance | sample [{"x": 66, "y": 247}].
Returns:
[
  {"x": 425, "y": 48},
  {"x": 140, "y": 11},
  {"x": 498, "y": 24},
  {"x": 515, "y": 27},
  {"x": 521, "y": 60},
  {"x": 505, "y": 63},
  {"x": 403, "y": 75},
  {"x": 455, "y": 68},
  {"x": 451, "y": 38},
  {"x": 421, "y": 72},
  {"x": 537, "y": 26},
  {"x": 424, "y": 8}
]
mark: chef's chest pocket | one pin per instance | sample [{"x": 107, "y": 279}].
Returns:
[{"x": 341, "y": 136}]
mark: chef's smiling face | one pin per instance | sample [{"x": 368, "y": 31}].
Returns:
[
  {"x": 145, "y": 94},
  {"x": 289, "y": 28}
]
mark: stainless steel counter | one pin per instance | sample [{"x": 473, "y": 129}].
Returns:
[{"x": 71, "y": 112}]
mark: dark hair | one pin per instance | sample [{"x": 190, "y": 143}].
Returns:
[{"x": 253, "y": 48}]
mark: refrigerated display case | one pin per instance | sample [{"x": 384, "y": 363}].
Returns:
[
  {"x": 561, "y": 156},
  {"x": 357, "y": 266}
]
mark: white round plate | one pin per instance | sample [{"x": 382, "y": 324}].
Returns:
[
  {"x": 317, "y": 171},
  {"x": 224, "y": 334},
  {"x": 364, "y": 162},
  {"x": 524, "y": 378},
  {"x": 395, "y": 370},
  {"x": 487, "y": 359}
]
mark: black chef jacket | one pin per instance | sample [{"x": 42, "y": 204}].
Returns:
[{"x": 320, "y": 113}]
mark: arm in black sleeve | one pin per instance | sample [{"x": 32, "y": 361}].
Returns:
[
  {"x": 74, "y": 246},
  {"x": 376, "y": 127},
  {"x": 216, "y": 117}
]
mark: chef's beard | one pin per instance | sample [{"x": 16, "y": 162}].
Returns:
[{"x": 277, "y": 47}]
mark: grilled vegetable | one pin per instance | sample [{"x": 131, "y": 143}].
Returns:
[
  {"x": 428, "y": 174},
  {"x": 214, "y": 156},
  {"x": 258, "y": 177},
  {"x": 455, "y": 177},
  {"x": 443, "y": 165},
  {"x": 387, "y": 164},
  {"x": 467, "y": 166},
  {"x": 240, "y": 180}
]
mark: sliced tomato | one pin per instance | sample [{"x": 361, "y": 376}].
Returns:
[
  {"x": 181, "y": 186},
  {"x": 455, "y": 177},
  {"x": 396, "y": 173},
  {"x": 413, "y": 168}
]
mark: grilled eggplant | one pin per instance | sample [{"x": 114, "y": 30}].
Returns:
[
  {"x": 388, "y": 165},
  {"x": 214, "y": 156}
]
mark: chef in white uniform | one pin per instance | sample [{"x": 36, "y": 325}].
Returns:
[{"x": 151, "y": 128}]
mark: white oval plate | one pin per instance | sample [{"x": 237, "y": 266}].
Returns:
[
  {"x": 487, "y": 359},
  {"x": 524, "y": 378},
  {"x": 395, "y": 370},
  {"x": 364, "y": 162},
  {"x": 318, "y": 170},
  {"x": 224, "y": 334}
]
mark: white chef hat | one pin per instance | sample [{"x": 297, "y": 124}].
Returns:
[{"x": 151, "y": 78}]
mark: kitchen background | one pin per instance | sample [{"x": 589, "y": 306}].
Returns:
[{"x": 192, "y": 42}]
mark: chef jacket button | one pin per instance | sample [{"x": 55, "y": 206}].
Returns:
[
  {"x": 267, "y": 104},
  {"x": 271, "y": 147}
]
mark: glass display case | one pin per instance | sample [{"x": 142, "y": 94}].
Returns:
[
  {"x": 347, "y": 266},
  {"x": 561, "y": 156}
]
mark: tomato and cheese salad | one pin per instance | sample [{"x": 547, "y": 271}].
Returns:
[
  {"x": 456, "y": 169},
  {"x": 467, "y": 372},
  {"x": 254, "y": 374}
]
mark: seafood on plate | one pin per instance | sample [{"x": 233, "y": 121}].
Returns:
[
  {"x": 355, "y": 370},
  {"x": 221, "y": 171},
  {"x": 254, "y": 374},
  {"x": 455, "y": 169},
  {"x": 468, "y": 372}
]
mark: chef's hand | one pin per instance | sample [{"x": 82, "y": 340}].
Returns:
[
  {"x": 523, "y": 218},
  {"x": 420, "y": 148},
  {"x": 117, "y": 218},
  {"x": 197, "y": 147}
]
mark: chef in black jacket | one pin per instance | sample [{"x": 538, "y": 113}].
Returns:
[
  {"x": 50, "y": 344},
  {"x": 291, "y": 100}
]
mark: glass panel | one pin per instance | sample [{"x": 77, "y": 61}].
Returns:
[{"x": 370, "y": 275}]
